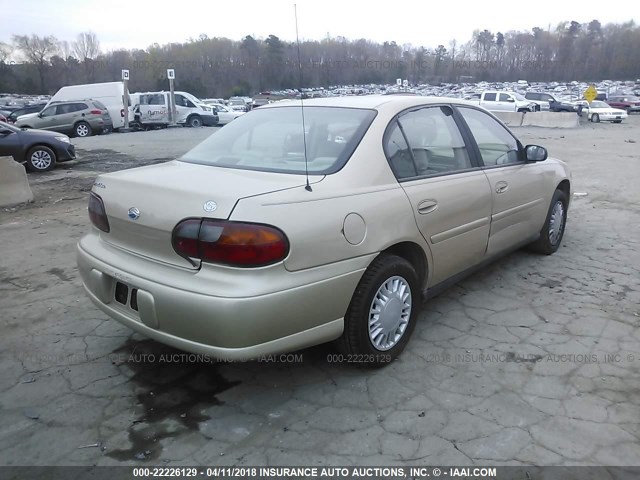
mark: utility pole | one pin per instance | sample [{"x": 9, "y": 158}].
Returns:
[
  {"x": 171, "y": 75},
  {"x": 125, "y": 100}
]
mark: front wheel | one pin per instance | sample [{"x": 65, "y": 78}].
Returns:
[
  {"x": 382, "y": 312},
  {"x": 40, "y": 159},
  {"x": 553, "y": 228},
  {"x": 595, "y": 118},
  {"x": 82, "y": 129},
  {"x": 195, "y": 121}
]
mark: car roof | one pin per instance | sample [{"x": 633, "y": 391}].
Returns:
[
  {"x": 375, "y": 102},
  {"x": 56, "y": 102}
]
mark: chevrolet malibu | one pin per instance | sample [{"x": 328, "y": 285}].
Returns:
[{"x": 299, "y": 224}]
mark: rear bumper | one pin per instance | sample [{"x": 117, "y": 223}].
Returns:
[
  {"x": 608, "y": 117},
  {"x": 228, "y": 328}
]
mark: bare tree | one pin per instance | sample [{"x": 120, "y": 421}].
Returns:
[
  {"x": 86, "y": 46},
  {"x": 66, "y": 49},
  {"x": 37, "y": 50},
  {"x": 5, "y": 51}
]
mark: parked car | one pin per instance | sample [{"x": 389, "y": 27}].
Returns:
[
  {"x": 239, "y": 104},
  {"x": 152, "y": 109},
  {"x": 629, "y": 103},
  {"x": 80, "y": 118},
  {"x": 270, "y": 237},
  {"x": 225, "y": 114},
  {"x": 13, "y": 116},
  {"x": 109, "y": 94},
  {"x": 598, "y": 111},
  {"x": 546, "y": 101},
  {"x": 39, "y": 149},
  {"x": 497, "y": 101}
]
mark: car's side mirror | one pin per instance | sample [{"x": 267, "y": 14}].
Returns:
[
  {"x": 40, "y": 115},
  {"x": 536, "y": 153}
]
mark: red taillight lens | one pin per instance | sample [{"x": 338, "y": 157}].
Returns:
[
  {"x": 97, "y": 213},
  {"x": 185, "y": 237},
  {"x": 230, "y": 243},
  {"x": 96, "y": 112}
]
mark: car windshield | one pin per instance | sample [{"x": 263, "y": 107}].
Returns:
[
  {"x": 272, "y": 140},
  {"x": 599, "y": 105}
]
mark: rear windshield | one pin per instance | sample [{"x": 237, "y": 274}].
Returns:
[{"x": 273, "y": 140}]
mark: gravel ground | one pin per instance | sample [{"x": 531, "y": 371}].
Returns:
[{"x": 533, "y": 361}]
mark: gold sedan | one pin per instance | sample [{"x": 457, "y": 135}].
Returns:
[{"x": 299, "y": 224}]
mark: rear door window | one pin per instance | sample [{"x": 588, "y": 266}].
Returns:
[{"x": 435, "y": 145}]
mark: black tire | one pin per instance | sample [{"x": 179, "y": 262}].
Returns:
[
  {"x": 548, "y": 243},
  {"x": 82, "y": 129},
  {"x": 355, "y": 342},
  {"x": 195, "y": 121},
  {"x": 595, "y": 118},
  {"x": 523, "y": 110},
  {"x": 40, "y": 159},
  {"x": 617, "y": 121}
]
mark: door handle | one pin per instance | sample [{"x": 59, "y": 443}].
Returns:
[
  {"x": 502, "y": 187},
  {"x": 427, "y": 206}
]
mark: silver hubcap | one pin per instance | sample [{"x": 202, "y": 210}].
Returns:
[
  {"x": 41, "y": 159},
  {"x": 556, "y": 222},
  {"x": 82, "y": 130},
  {"x": 389, "y": 313}
]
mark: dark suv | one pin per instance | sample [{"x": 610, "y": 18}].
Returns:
[
  {"x": 80, "y": 118},
  {"x": 542, "y": 98},
  {"x": 13, "y": 116}
]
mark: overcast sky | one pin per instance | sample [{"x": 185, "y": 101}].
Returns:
[{"x": 139, "y": 23}]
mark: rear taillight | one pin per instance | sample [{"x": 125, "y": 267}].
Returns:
[
  {"x": 236, "y": 244},
  {"x": 122, "y": 112},
  {"x": 96, "y": 112},
  {"x": 97, "y": 213}
]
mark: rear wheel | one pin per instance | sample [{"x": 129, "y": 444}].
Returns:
[
  {"x": 195, "y": 121},
  {"x": 553, "y": 228},
  {"x": 382, "y": 312},
  {"x": 40, "y": 159},
  {"x": 595, "y": 118},
  {"x": 617, "y": 121},
  {"x": 82, "y": 129}
]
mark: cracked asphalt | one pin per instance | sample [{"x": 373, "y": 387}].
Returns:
[{"x": 532, "y": 361}]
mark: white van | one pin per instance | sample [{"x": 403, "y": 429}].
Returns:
[
  {"x": 110, "y": 94},
  {"x": 152, "y": 109}
]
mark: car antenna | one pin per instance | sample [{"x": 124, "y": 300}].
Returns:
[{"x": 304, "y": 133}]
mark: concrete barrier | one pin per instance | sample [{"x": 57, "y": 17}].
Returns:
[
  {"x": 551, "y": 119},
  {"x": 14, "y": 186},
  {"x": 510, "y": 119}
]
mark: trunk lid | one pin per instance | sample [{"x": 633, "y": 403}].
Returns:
[{"x": 167, "y": 193}]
